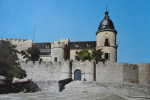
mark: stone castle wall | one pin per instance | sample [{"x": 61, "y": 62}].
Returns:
[
  {"x": 46, "y": 70},
  {"x": 22, "y": 44},
  {"x": 130, "y": 73},
  {"x": 144, "y": 73},
  {"x": 105, "y": 73},
  {"x": 86, "y": 68},
  {"x": 109, "y": 73}
]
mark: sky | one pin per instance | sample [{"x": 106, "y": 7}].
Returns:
[{"x": 78, "y": 20}]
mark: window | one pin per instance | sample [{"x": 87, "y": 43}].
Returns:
[
  {"x": 77, "y": 52},
  {"x": 55, "y": 59},
  {"x": 88, "y": 44},
  {"x": 47, "y": 46},
  {"x": 45, "y": 53},
  {"x": 107, "y": 56},
  {"x": 77, "y": 44},
  {"x": 106, "y": 43}
]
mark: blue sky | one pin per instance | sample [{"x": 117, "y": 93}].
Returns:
[{"x": 78, "y": 20}]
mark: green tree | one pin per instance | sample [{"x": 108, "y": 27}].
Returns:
[
  {"x": 83, "y": 55},
  {"x": 8, "y": 53},
  {"x": 9, "y": 66},
  {"x": 34, "y": 53},
  {"x": 97, "y": 55},
  {"x": 25, "y": 54}
]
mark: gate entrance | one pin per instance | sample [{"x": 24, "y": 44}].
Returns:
[{"x": 77, "y": 75}]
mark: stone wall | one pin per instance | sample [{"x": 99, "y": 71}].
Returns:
[
  {"x": 46, "y": 70},
  {"x": 144, "y": 73},
  {"x": 105, "y": 73},
  {"x": 130, "y": 73},
  {"x": 86, "y": 68},
  {"x": 109, "y": 72}
]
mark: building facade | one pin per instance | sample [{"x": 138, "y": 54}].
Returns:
[{"x": 66, "y": 49}]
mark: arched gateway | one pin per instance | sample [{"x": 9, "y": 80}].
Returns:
[{"x": 77, "y": 75}]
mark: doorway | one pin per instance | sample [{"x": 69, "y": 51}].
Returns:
[{"x": 77, "y": 75}]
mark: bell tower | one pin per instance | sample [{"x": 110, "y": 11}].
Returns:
[{"x": 106, "y": 39}]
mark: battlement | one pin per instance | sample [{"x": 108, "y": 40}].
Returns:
[
  {"x": 146, "y": 65},
  {"x": 44, "y": 62},
  {"x": 107, "y": 72},
  {"x": 64, "y": 39},
  {"x": 57, "y": 44},
  {"x": 17, "y": 40}
]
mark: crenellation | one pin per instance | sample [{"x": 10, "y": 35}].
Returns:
[{"x": 17, "y": 40}]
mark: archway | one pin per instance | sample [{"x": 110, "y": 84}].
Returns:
[{"x": 77, "y": 75}]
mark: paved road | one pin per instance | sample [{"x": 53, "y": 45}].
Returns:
[{"x": 59, "y": 96}]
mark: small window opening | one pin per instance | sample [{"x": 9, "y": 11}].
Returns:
[
  {"x": 88, "y": 45},
  {"x": 77, "y": 44},
  {"x": 55, "y": 59},
  {"x": 106, "y": 42},
  {"x": 47, "y": 46},
  {"x": 107, "y": 56},
  {"x": 77, "y": 52}
]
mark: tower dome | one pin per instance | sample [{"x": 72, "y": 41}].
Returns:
[{"x": 106, "y": 23}]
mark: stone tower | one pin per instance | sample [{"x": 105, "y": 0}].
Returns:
[
  {"x": 106, "y": 39},
  {"x": 58, "y": 50}
]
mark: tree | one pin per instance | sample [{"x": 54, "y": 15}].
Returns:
[
  {"x": 34, "y": 53},
  {"x": 83, "y": 55},
  {"x": 97, "y": 55},
  {"x": 8, "y": 53},
  {"x": 9, "y": 66},
  {"x": 25, "y": 54},
  {"x": 31, "y": 53}
]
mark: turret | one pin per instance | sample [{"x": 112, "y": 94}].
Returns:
[
  {"x": 58, "y": 50},
  {"x": 106, "y": 39}
]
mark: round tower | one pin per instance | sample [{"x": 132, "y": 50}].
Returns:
[
  {"x": 106, "y": 39},
  {"x": 57, "y": 51}
]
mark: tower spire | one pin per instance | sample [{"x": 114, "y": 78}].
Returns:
[
  {"x": 34, "y": 34},
  {"x": 106, "y": 7}
]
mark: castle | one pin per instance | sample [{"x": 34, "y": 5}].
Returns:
[
  {"x": 65, "y": 49},
  {"x": 58, "y": 61}
]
